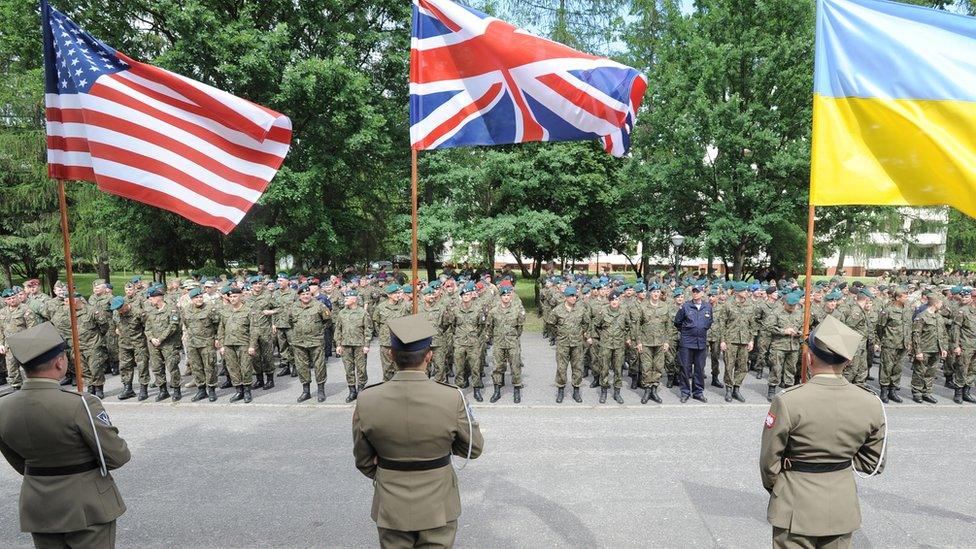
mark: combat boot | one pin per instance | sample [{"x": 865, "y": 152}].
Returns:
[
  {"x": 163, "y": 394},
  {"x": 560, "y": 393},
  {"x": 239, "y": 395},
  {"x": 617, "y": 397},
  {"x": 226, "y": 384},
  {"x": 177, "y": 393},
  {"x": 716, "y": 382},
  {"x": 885, "y": 391},
  {"x": 305, "y": 392},
  {"x": 603, "y": 395},
  {"x": 893, "y": 395},
  {"x": 770, "y": 393},
  {"x": 91, "y": 390},
  {"x": 200, "y": 394},
  {"x": 352, "y": 394},
  {"x": 576, "y": 395},
  {"x": 596, "y": 382},
  {"x": 477, "y": 394},
  {"x": 654, "y": 396},
  {"x": 143, "y": 392},
  {"x": 293, "y": 370},
  {"x": 916, "y": 398},
  {"x": 929, "y": 398},
  {"x": 127, "y": 392},
  {"x": 671, "y": 381},
  {"x": 497, "y": 394},
  {"x": 258, "y": 381},
  {"x": 634, "y": 382},
  {"x": 247, "y": 395},
  {"x": 957, "y": 396},
  {"x": 517, "y": 395},
  {"x": 737, "y": 395},
  {"x": 758, "y": 374},
  {"x": 284, "y": 371},
  {"x": 212, "y": 394},
  {"x": 967, "y": 395},
  {"x": 321, "y": 392},
  {"x": 647, "y": 395},
  {"x": 728, "y": 394},
  {"x": 269, "y": 382}
]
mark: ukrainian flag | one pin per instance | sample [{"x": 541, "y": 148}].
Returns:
[{"x": 894, "y": 111}]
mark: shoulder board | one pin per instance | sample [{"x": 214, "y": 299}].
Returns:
[
  {"x": 444, "y": 383},
  {"x": 865, "y": 387},
  {"x": 70, "y": 391},
  {"x": 373, "y": 385},
  {"x": 793, "y": 388}
]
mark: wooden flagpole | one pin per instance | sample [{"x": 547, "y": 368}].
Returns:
[
  {"x": 75, "y": 347},
  {"x": 413, "y": 200},
  {"x": 808, "y": 283}
]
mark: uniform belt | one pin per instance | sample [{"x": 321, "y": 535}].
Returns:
[
  {"x": 414, "y": 465},
  {"x": 56, "y": 471},
  {"x": 810, "y": 467}
]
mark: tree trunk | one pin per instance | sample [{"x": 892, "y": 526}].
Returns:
[
  {"x": 7, "y": 275},
  {"x": 430, "y": 260},
  {"x": 841, "y": 256},
  {"x": 490, "y": 247},
  {"x": 711, "y": 261},
  {"x": 217, "y": 250},
  {"x": 737, "y": 261},
  {"x": 101, "y": 265},
  {"x": 537, "y": 268},
  {"x": 51, "y": 274},
  {"x": 645, "y": 264},
  {"x": 521, "y": 264}
]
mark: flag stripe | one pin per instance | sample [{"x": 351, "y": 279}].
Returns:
[
  {"x": 574, "y": 95},
  {"x": 452, "y": 123},
  {"x": 148, "y": 195}
]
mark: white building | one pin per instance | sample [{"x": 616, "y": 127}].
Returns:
[{"x": 915, "y": 241}]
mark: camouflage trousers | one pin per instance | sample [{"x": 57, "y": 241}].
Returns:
[
  {"x": 93, "y": 363},
  {"x": 782, "y": 367},
  {"x": 437, "y": 368},
  {"x": 468, "y": 366},
  {"x": 354, "y": 362},
  {"x": 714, "y": 357},
  {"x": 923, "y": 373},
  {"x": 891, "y": 365},
  {"x": 285, "y": 353},
  {"x": 569, "y": 358},
  {"x": 163, "y": 359},
  {"x": 386, "y": 359},
  {"x": 652, "y": 365},
  {"x": 202, "y": 365},
  {"x": 307, "y": 358},
  {"x": 14, "y": 375},
  {"x": 964, "y": 374},
  {"x": 112, "y": 346},
  {"x": 857, "y": 370},
  {"x": 132, "y": 360},
  {"x": 507, "y": 358},
  {"x": 613, "y": 362},
  {"x": 736, "y": 363},
  {"x": 671, "y": 361},
  {"x": 238, "y": 364},
  {"x": 763, "y": 358},
  {"x": 263, "y": 361}
]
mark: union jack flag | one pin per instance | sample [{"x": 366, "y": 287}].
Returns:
[
  {"x": 150, "y": 135},
  {"x": 477, "y": 80}
]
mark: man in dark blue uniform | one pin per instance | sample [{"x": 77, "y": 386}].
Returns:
[{"x": 693, "y": 320}]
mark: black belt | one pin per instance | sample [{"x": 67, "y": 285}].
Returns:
[
  {"x": 809, "y": 467},
  {"x": 57, "y": 471},
  {"x": 414, "y": 465}
]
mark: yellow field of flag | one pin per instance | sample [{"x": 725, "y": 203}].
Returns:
[{"x": 894, "y": 112}]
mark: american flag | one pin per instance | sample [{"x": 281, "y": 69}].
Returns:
[
  {"x": 150, "y": 135},
  {"x": 477, "y": 80}
]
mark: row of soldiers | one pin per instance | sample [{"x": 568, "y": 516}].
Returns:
[
  {"x": 238, "y": 327},
  {"x": 607, "y": 327}
]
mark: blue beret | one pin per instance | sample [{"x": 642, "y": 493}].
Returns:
[
  {"x": 655, "y": 287},
  {"x": 7, "y": 293},
  {"x": 792, "y": 299},
  {"x": 505, "y": 290},
  {"x": 833, "y": 296},
  {"x": 639, "y": 287},
  {"x": 195, "y": 292},
  {"x": 155, "y": 291},
  {"x": 304, "y": 288},
  {"x": 678, "y": 292},
  {"x": 351, "y": 293},
  {"x": 407, "y": 289},
  {"x": 569, "y": 291},
  {"x": 393, "y": 288},
  {"x": 116, "y": 303},
  {"x": 135, "y": 280},
  {"x": 429, "y": 289}
]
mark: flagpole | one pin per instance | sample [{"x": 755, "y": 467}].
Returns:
[
  {"x": 808, "y": 283},
  {"x": 75, "y": 347},
  {"x": 413, "y": 200}
]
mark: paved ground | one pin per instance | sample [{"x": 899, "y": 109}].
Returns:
[{"x": 278, "y": 474}]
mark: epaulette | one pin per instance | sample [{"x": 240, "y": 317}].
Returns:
[
  {"x": 446, "y": 384},
  {"x": 865, "y": 387},
  {"x": 793, "y": 388},
  {"x": 373, "y": 385},
  {"x": 67, "y": 389}
]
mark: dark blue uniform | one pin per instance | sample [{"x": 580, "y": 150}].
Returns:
[{"x": 693, "y": 322}]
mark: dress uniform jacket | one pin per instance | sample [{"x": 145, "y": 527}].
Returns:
[
  {"x": 412, "y": 418},
  {"x": 43, "y": 426},
  {"x": 827, "y": 420}
]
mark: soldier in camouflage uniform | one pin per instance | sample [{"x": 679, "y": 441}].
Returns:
[
  {"x": 130, "y": 332},
  {"x": 767, "y": 310},
  {"x": 307, "y": 318},
  {"x": 382, "y": 314},
  {"x": 930, "y": 344},
  {"x": 469, "y": 324},
  {"x": 201, "y": 322},
  {"x": 737, "y": 323},
  {"x": 94, "y": 357},
  {"x": 163, "y": 331},
  {"x": 856, "y": 318},
  {"x": 653, "y": 343},
  {"x": 353, "y": 331},
  {"x": 963, "y": 343},
  {"x": 442, "y": 319},
  {"x": 262, "y": 306},
  {"x": 14, "y": 317},
  {"x": 281, "y": 325},
  {"x": 671, "y": 360},
  {"x": 613, "y": 326},
  {"x": 504, "y": 327},
  {"x": 571, "y": 328},
  {"x": 101, "y": 295},
  {"x": 787, "y": 330},
  {"x": 895, "y": 333},
  {"x": 714, "y": 338},
  {"x": 237, "y": 344}
]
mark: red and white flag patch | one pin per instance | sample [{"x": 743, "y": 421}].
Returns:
[{"x": 770, "y": 420}]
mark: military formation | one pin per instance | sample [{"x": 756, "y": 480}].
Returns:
[
  {"x": 606, "y": 328},
  {"x": 240, "y": 333}
]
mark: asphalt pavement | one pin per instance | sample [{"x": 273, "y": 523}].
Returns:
[{"x": 274, "y": 473}]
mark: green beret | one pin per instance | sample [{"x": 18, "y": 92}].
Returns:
[
  {"x": 792, "y": 299},
  {"x": 392, "y": 289}
]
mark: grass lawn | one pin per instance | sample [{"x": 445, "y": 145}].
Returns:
[{"x": 83, "y": 281}]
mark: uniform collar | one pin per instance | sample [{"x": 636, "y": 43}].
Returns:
[
  {"x": 41, "y": 383},
  {"x": 410, "y": 375},
  {"x": 828, "y": 379}
]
